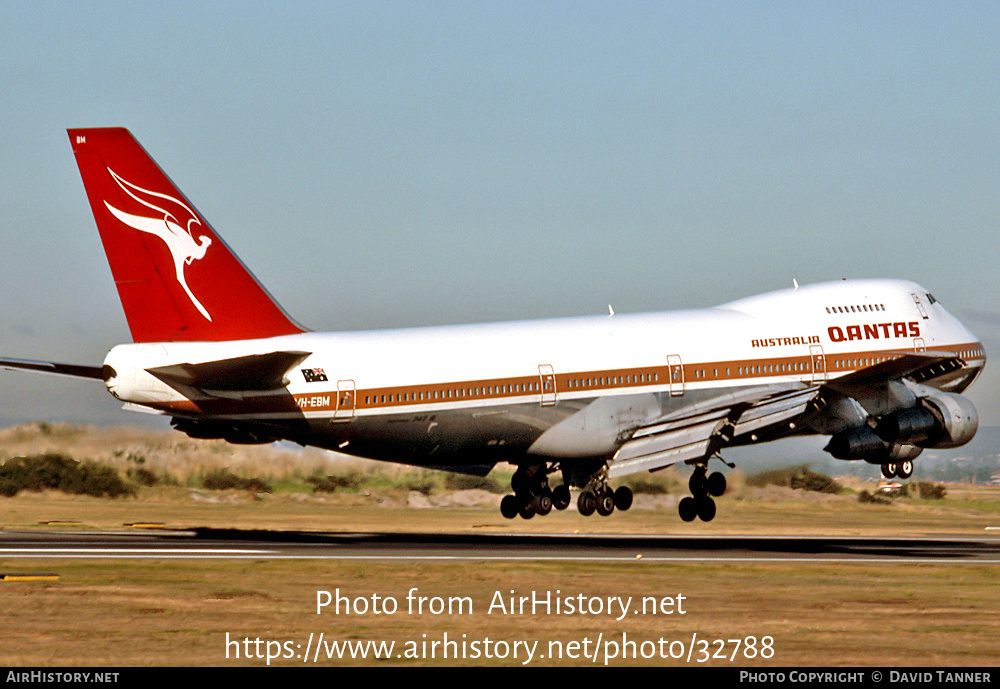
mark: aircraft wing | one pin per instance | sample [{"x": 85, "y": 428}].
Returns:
[
  {"x": 699, "y": 435},
  {"x": 53, "y": 368},
  {"x": 704, "y": 428},
  {"x": 917, "y": 366}
]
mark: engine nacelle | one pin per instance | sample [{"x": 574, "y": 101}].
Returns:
[
  {"x": 237, "y": 434},
  {"x": 942, "y": 420},
  {"x": 864, "y": 443}
]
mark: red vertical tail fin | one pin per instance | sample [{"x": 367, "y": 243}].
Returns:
[{"x": 176, "y": 278}]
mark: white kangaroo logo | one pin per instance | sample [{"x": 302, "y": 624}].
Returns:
[{"x": 179, "y": 240}]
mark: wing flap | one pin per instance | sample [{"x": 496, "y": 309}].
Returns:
[
  {"x": 657, "y": 451},
  {"x": 774, "y": 411},
  {"x": 664, "y": 443}
]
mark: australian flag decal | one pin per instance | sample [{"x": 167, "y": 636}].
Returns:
[{"x": 314, "y": 375}]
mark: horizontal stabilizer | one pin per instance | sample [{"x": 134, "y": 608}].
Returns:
[
  {"x": 142, "y": 409},
  {"x": 53, "y": 368},
  {"x": 253, "y": 372}
]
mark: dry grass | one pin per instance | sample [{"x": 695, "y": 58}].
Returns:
[
  {"x": 389, "y": 490},
  {"x": 150, "y": 613},
  {"x": 125, "y": 613}
]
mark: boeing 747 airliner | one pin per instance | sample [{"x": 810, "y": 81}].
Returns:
[{"x": 576, "y": 403}]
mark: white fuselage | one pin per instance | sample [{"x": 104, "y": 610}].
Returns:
[{"x": 575, "y": 387}]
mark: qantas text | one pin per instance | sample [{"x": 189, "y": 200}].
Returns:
[{"x": 874, "y": 331}]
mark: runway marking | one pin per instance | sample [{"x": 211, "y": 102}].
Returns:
[
  {"x": 127, "y": 551},
  {"x": 249, "y": 555}
]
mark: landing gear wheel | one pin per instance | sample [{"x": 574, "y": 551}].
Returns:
[
  {"x": 560, "y": 497},
  {"x": 509, "y": 506},
  {"x": 605, "y": 503},
  {"x": 706, "y": 509},
  {"x": 586, "y": 503},
  {"x": 716, "y": 484},
  {"x": 688, "y": 509},
  {"x": 623, "y": 498},
  {"x": 542, "y": 505},
  {"x": 889, "y": 470},
  {"x": 905, "y": 469},
  {"x": 526, "y": 511}
]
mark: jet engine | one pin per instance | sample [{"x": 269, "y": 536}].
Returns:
[
  {"x": 941, "y": 420},
  {"x": 864, "y": 443}
]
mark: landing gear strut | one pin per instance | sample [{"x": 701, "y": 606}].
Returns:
[
  {"x": 532, "y": 496},
  {"x": 699, "y": 504},
  {"x": 598, "y": 496}
]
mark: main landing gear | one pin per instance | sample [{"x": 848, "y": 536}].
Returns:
[
  {"x": 532, "y": 495},
  {"x": 699, "y": 503},
  {"x": 603, "y": 500},
  {"x": 898, "y": 470}
]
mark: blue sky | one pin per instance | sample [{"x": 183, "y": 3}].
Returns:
[{"x": 396, "y": 164}]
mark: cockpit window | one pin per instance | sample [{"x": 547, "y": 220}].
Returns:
[{"x": 931, "y": 299}]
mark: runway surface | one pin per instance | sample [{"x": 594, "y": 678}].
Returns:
[{"x": 270, "y": 545}]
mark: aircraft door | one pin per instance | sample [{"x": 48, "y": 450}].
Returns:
[
  {"x": 919, "y": 345},
  {"x": 818, "y": 363},
  {"x": 345, "y": 401},
  {"x": 547, "y": 379},
  {"x": 676, "y": 374},
  {"x": 919, "y": 304}
]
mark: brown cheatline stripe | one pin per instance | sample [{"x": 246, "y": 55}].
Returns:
[{"x": 490, "y": 389}]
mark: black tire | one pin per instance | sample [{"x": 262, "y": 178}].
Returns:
[
  {"x": 706, "y": 509},
  {"x": 509, "y": 506},
  {"x": 526, "y": 511},
  {"x": 542, "y": 505},
  {"x": 904, "y": 469},
  {"x": 889, "y": 470},
  {"x": 561, "y": 497},
  {"x": 623, "y": 498},
  {"x": 605, "y": 503},
  {"x": 586, "y": 503},
  {"x": 688, "y": 509},
  {"x": 716, "y": 484}
]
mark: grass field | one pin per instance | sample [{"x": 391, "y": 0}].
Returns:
[
  {"x": 149, "y": 612},
  {"x": 170, "y": 613}
]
